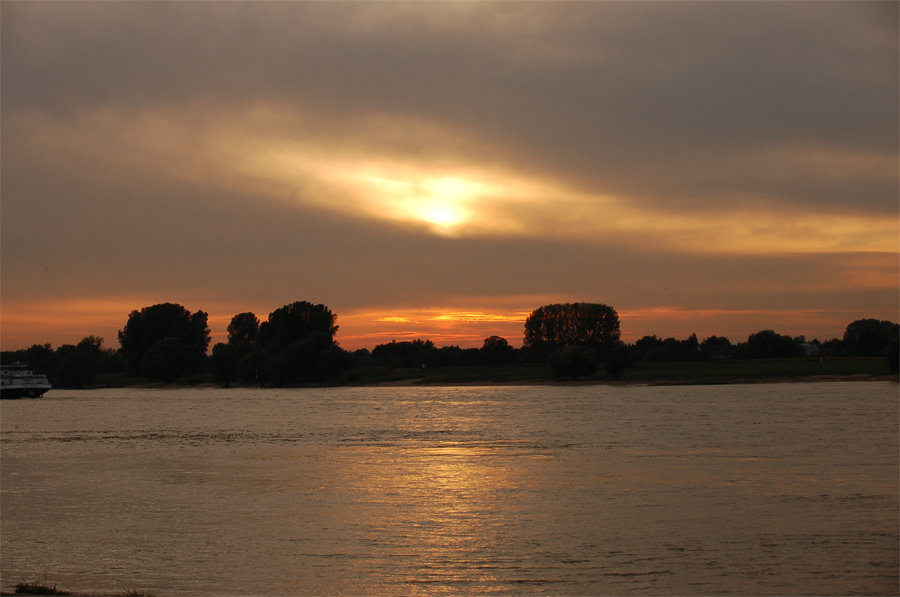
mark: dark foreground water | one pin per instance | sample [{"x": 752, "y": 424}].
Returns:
[{"x": 756, "y": 489}]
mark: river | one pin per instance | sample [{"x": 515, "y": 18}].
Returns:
[{"x": 581, "y": 490}]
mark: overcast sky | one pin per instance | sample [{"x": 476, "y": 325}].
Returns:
[{"x": 440, "y": 169}]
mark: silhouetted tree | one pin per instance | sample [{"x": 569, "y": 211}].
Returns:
[
  {"x": 304, "y": 357},
  {"x": 295, "y": 345},
  {"x": 251, "y": 366},
  {"x": 225, "y": 360},
  {"x": 651, "y": 348},
  {"x": 832, "y": 348},
  {"x": 691, "y": 348},
  {"x": 406, "y": 354},
  {"x": 91, "y": 345},
  {"x": 647, "y": 348},
  {"x": 228, "y": 361},
  {"x": 275, "y": 370},
  {"x": 717, "y": 347},
  {"x": 243, "y": 329},
  {"x": 590, "y": 325},
  {"x": 294, "y": 323},
  {"x": 454, "y": 356},
  {"x": 69, "y": 366},
  {"x": 74, "y": 367},
  {"x": 496, "y": 351},
  {"x": 37, "y": 357},
  {"x": 893, "y": 356},
  {"x": 619, "y": 360},
  {"x": 167, "y": 360},
  {"x": 870, "y": 337},
  {"x": 332, "y": 363},
  {"x": 766, "y": 344},
  {"x": 145, "y": 328}
]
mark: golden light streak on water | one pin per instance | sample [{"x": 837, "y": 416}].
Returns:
[{"x": 601, "y": 490}]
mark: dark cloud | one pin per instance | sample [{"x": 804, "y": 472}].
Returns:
[
  {"x": 665, "y": 103},
  {"x": 139, "y": 233},
  {"x": 121, "y": 123}
]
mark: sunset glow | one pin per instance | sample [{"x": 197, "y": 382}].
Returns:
[{"x": 425, "y": 178}]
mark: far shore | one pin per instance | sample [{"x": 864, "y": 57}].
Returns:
[
  {"x": 687, "y": 375},
  {"x": 697, "y": 373},
  {"x": 425, "y": 383},
  {"x": 422, "y": 382}
]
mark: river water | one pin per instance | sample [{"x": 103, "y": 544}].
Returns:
[{"x": 585, "y": 490}]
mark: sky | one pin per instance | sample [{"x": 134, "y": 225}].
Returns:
[{"x": 438, "y": 170}]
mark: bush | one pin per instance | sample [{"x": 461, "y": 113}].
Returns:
[
  {"x": 573, "y": 361},
  {"x": 76, "y": 369},
  {"x": 893, "y": 357},
  {"x": 37, "y": 588},
  {"x": 619, "y": 360}
]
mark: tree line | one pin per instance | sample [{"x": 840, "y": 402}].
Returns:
[{"x": 296, "y": 345}]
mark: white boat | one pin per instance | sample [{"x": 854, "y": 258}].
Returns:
[{"x": 17, "y": 381}]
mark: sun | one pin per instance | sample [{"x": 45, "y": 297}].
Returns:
[
  {"x": 441, "y": 214},
  {"x": 443, "y": 201}
]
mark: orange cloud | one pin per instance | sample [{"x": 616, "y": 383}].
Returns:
[
  {"x": 452, "y": 190},
  {"x": 68, "y": 321},
  {"x": 444, "y": 327},
  {"x": 64, "y": 321},
  {"x": 734, "y": 324}
]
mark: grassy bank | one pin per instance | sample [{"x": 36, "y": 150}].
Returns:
[
  {"x": 509, "y": 374},
  {"x": 678, "y": 373},
  {"x": 702, "y": 372},
  {"x": 763, "y": 370}
]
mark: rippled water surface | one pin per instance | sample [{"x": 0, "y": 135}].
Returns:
[{"x": 589, "y": 490}]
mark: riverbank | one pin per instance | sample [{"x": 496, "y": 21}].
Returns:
[
  {"x": 45, "y": 588},
  {"x": 57, "y": 591},
  {"x": 713, "y": 372}
]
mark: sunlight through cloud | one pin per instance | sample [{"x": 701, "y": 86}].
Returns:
[
  {"x": 440, "y": 203},
  {"x": 457, "y": 198}
]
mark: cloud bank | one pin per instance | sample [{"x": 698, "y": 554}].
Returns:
[{"x": 734, "y": 161}]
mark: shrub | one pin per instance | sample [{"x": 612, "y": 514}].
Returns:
[
  {"x": 37, "y": 588},
  {"x": 573, "y": 361}
]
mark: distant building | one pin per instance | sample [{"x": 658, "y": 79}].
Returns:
[{"x": 809, "y": 350}]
